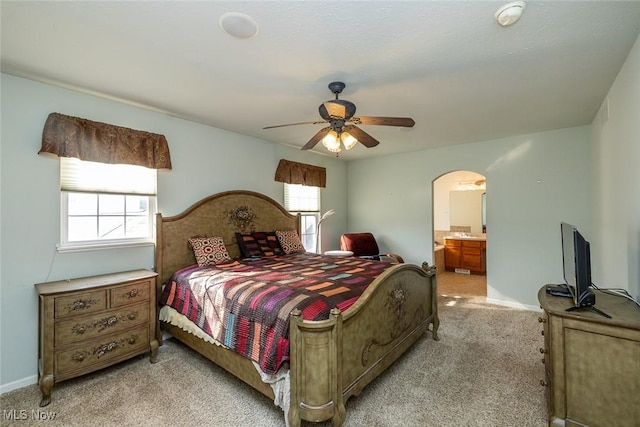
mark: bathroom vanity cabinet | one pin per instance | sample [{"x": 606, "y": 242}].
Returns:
[{"x": 466, "y": 254}]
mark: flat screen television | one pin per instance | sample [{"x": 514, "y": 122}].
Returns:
[{"x": 576, "y": 260}]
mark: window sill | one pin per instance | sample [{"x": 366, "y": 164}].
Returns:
[{"x": 101, "y": 246}]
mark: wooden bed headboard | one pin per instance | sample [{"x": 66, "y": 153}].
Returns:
[{"x": 222, "y": 214}]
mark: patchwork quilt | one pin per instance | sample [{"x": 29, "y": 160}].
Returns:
[{"x": 246, "y": 304}]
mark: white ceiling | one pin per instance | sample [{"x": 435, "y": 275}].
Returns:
[{"x": 446, "y": 64}]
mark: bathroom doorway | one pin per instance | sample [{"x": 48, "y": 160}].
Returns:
[{"x": 459, "y": 233}]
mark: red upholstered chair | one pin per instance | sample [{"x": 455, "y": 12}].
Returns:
[{"x": 364, "y": 245}]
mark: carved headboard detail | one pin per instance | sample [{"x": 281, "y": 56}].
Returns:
[{"x": 222, "y": 214}]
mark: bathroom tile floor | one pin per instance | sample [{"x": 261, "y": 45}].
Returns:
[{"x": 471, "y": 285}]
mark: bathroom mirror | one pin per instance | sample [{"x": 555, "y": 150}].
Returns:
[{"x": 466, "y": 208}]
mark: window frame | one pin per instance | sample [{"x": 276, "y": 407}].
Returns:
[
  {"x": 67, "y": 245},
  {"x": 306, "y": 217}
]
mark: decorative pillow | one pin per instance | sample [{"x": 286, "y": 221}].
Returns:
[
  {"x": 209, "y": 250},
  {"x": 290, "y": 242},
  {"x": 258, "y": 244}
]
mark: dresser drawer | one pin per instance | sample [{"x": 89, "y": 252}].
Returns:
[
  {"x": 102, "y": 351},
  {"x": 130, "y": 294},
  {"x": 80, "y": 303},
  {"x": 88, "y": 327}
]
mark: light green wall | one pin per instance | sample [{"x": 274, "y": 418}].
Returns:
[
  {"x": 205, "y": 160},
  {"x": 616, "y": 189},
  {"x": 533, "y": 183}
]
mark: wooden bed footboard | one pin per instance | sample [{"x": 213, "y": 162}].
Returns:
[{"x": 387, "y": 319}]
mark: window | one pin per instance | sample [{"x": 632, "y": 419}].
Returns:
[
  {"x": 105, "y": 205},
  {"x": 305, "y": 200}
]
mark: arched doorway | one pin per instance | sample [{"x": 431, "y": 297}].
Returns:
[{"x": 459, "y": 233}]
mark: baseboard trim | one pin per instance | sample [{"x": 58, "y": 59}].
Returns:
[
  {"x": 512, "y": 304},
  {"x": 14, "y": 385}
]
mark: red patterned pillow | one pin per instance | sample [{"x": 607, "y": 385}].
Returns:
[
  {"x": 290, "y": 242},
  {"x": 209, "y": 250},
  {"x": 259, "y": 244}
]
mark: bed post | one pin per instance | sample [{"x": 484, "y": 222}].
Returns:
[
  {"x": 316, "y": 369},
  {"x": 433, "y": 276},
  {"x": 158, "y": 269}
]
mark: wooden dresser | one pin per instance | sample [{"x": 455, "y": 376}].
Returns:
[
  {"x": 592, "y": 364},
  {"x": 90, "y": 323}
]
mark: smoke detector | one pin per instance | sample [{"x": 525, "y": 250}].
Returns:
[
  {"x": 238, "y": 25},
  {"x": 510, "y": 13}
]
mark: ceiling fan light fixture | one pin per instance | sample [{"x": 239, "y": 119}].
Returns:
[
  {"x": 510, "y": 13},
  {"x": 348, "y": 140},
  {"x": 331, "y": 142}
]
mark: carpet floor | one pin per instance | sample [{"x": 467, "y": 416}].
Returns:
[{"x": 484, "y": 371}]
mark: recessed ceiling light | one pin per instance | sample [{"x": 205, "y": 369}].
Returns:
[
  {"x": 510, "y": 13},
  {"x": 238, "y": 25}
]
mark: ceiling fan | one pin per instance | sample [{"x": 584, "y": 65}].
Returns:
[{"x": 339, "y": 114}]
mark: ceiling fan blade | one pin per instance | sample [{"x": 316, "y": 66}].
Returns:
[
  {"x": 293, "y": 124},
  {"x": 316, "y": 138},
  {"x": 384, "y": 121},
  {"x": 363, "y": 137}
]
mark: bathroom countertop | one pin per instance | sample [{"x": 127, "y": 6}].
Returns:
[{"x": 483, "y": 238}]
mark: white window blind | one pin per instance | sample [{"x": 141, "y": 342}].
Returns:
[
  {"x": 301, "y": 198},
  {"x": 82, "y": 176}
]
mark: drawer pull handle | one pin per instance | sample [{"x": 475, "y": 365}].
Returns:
[
  {"x": 132, "y": 293},
  {"x": 543, "y": 361},
  {"x": 541, "y": 332},
  {"x": 133, "y": 315},
  {"x": 101, "y": 350},
  {"x": 81, "y": 304},
  {"x": 107, "y": 322},
  {"x": 78, "y": 357},
  {"x": 543, "y": 383},
  {"x": 104, "y": 349},
  {"x": 541, "y": 320},
  {"x": 542, "y": 350}
]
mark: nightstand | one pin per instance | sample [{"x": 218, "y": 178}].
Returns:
[{"x": 89, "y": 323}]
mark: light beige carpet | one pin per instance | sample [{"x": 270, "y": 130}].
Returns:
[{"x": 484, "y": 371}]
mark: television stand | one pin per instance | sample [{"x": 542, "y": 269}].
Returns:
[
  {"x": 590, "y": 366},
  {"x": 590, "y": 307}
]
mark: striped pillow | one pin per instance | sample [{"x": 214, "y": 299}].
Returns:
[{"x": 259, "y": 244}]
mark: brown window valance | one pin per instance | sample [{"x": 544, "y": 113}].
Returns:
[
  {"x": 300, "y": 173},
  {"x": 67, "y": 136}
]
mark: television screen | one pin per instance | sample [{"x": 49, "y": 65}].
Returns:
[{"x": 576, "y": 260}]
